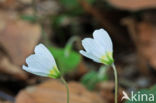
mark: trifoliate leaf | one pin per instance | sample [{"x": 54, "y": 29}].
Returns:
[{"x": 65, "y": 63}]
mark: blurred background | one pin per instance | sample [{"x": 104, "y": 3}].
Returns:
[{"x": 61, "y": 25}]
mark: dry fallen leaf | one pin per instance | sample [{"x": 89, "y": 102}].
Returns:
[
  {"x": 7, "y": 3},
  {"x": 11, "y": 69},
  {"x": 133, "y": 4},
  {"x": 106, "y": 90},
  {"x": 18, "y": 37},
  {"x": 53, "y": 91},
  {"x": 147, "y": 37},
  {"x": 5, "y": 102},
  {"x": 144, "y": 36}
]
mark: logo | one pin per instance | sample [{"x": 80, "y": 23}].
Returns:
[{"x": 138, "y": 96}]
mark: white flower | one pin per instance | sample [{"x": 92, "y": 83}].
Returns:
[
  {"x": 42, "y": 63},
  {"x": 99, "y": 48}
]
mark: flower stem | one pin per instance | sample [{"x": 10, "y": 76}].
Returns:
[
  {"x": 66, "y": 85},
  {"x": 69, "y": 44},
  {"x": 116, "y": 83}
]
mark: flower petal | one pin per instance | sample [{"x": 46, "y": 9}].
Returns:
[
  {"x": 34, "y": 71},
  {"x": 91, "y": 47},
  {"x": 102, "y": 38},
  {"x": 86, "y": 54},
  {"x": 39, "y": 62},
  {"x": 87, "y": 44},
  {"x": 41, "y": 50}
]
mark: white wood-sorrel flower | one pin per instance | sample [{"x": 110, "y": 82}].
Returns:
[
  {"x": 42, "y": 63},
  {"x": 99, "y": 48}
]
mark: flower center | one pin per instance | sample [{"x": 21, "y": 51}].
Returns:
[
  {"x": 107, "y": 58},
  {"x": 54, "y": 72}
]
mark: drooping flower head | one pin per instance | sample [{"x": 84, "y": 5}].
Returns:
[
  {"x": 99, "y": 48},
  {"x": 42, "y": 63}
]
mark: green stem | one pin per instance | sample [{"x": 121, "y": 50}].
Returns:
[
  {"x": 69, "y": 45},
  {"x": 66, "y": 85},
  {"x": 116, "y": 83},
  {"x": 102, "y": 72}
]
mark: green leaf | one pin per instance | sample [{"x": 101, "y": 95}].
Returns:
[
  {"x": 147, "y": 92},
  {"x": 29, "y": 18},
  {"x": 58, "y": 20},
  {"x": 70, "y": 3},
  {"x": 72, "y": 6},
  {"x": 65, "y": 63},
  {"x": 90, "y": 1},
  {"x": 90, "y": 79}
]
